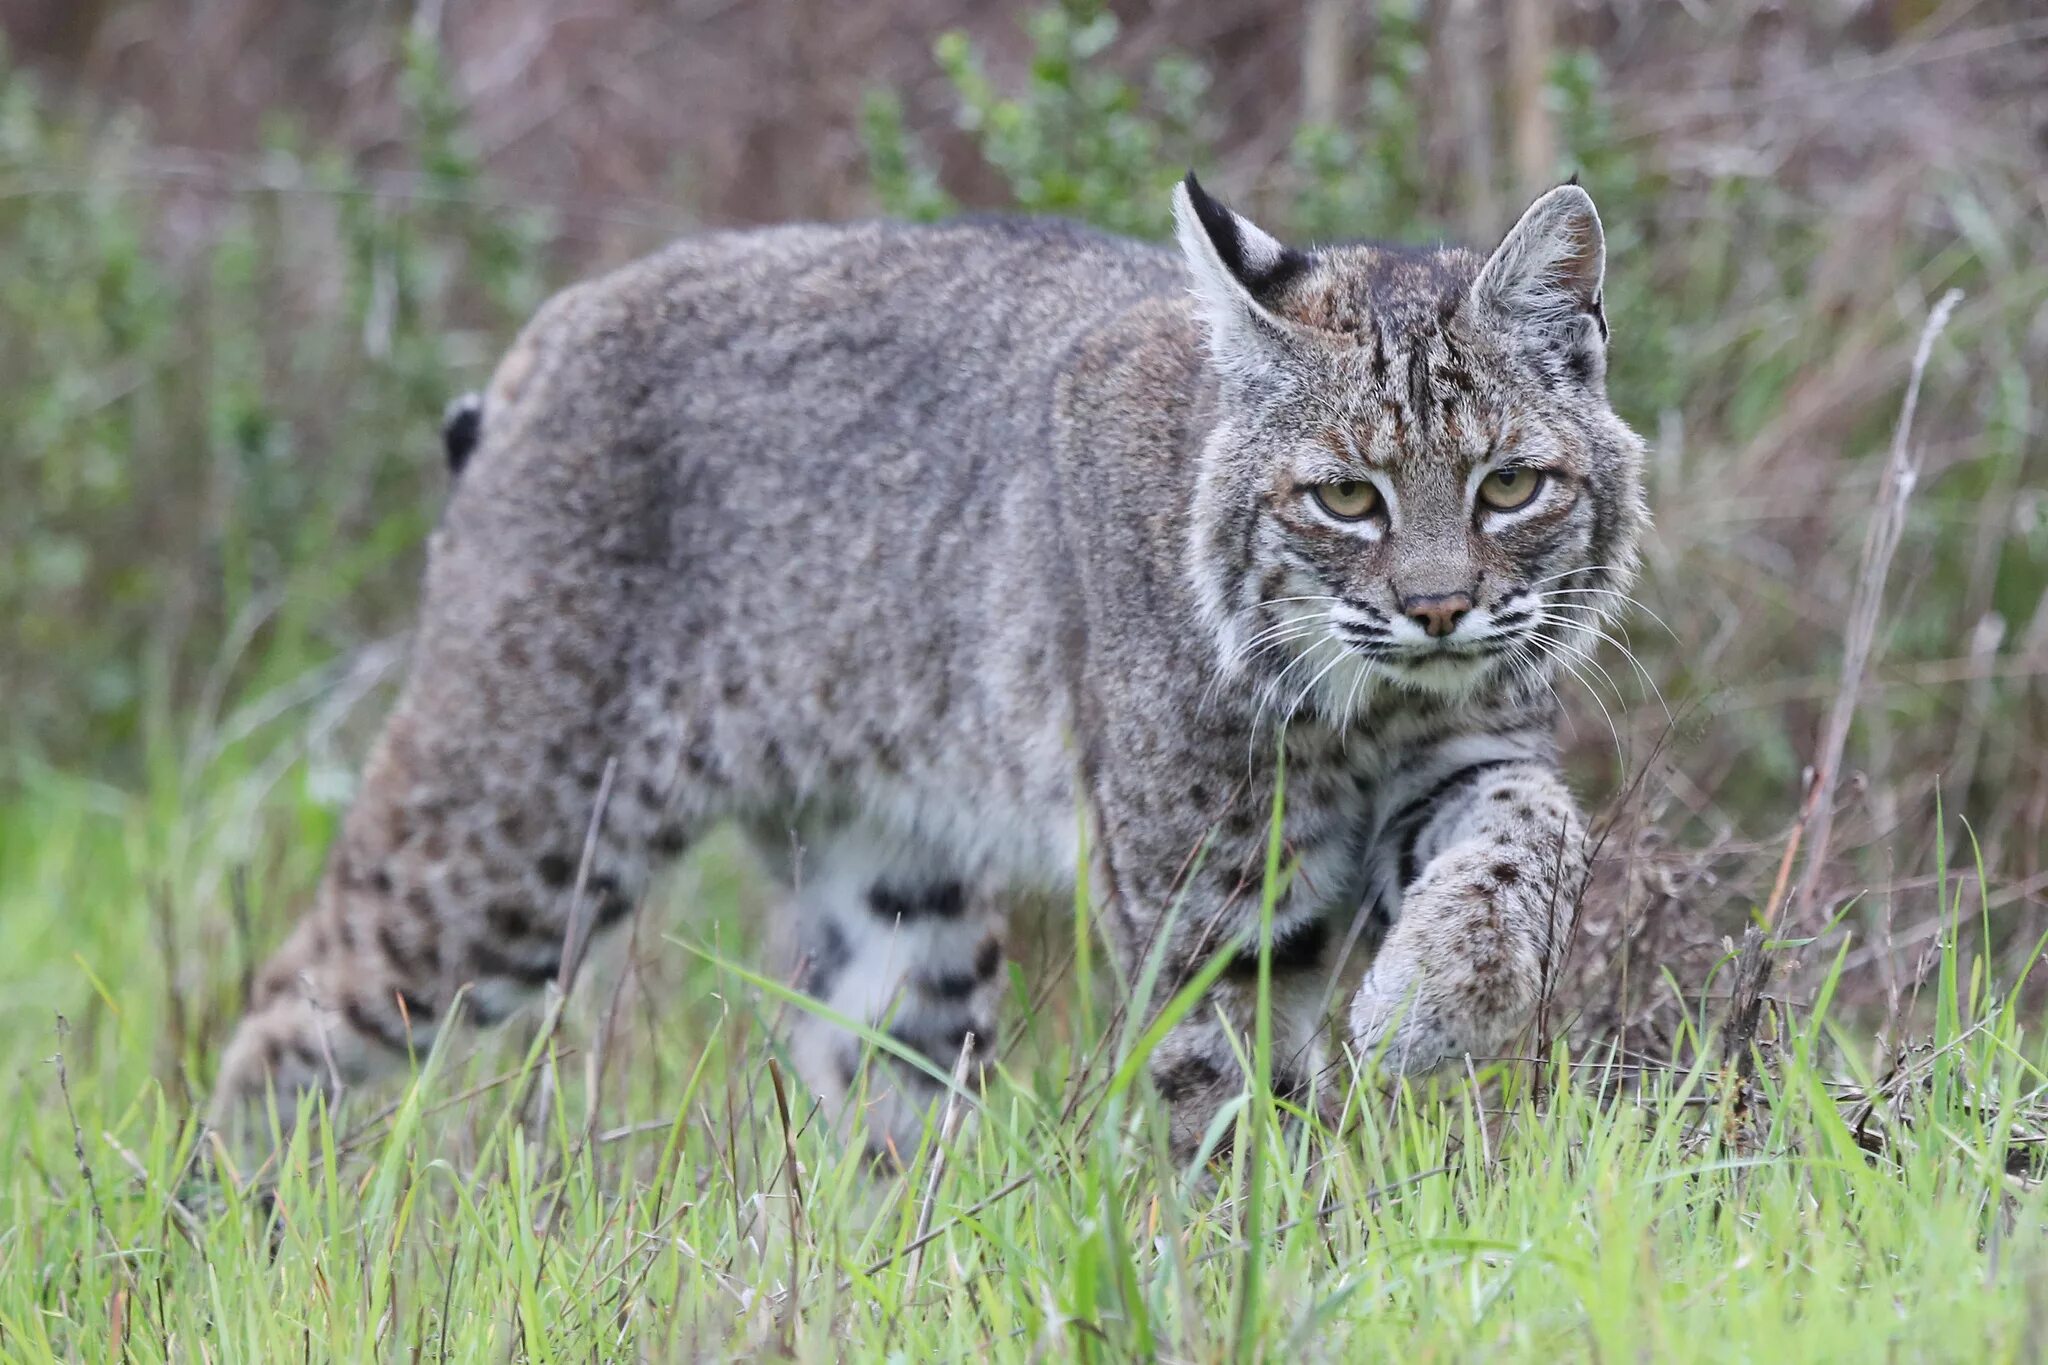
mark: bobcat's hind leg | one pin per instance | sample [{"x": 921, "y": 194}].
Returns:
[
  {"x": 426, "y": 897},
  {"x": 893, "y": 941},
  {"x": 456, "y": 871}
]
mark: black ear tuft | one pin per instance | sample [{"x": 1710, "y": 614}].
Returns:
[
  {"x": 1574, "y": 180},
  {"x": 1262, "y": 266},
  {"x": 1221, "y": 225},
  {"x": 462, "y": 426}
]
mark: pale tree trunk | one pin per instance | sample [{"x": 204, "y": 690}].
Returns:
[
  {"x": 1463, "y": 48},
  {"x": 1325, "y": 44},
  {"x": 1530, "y": 45}
]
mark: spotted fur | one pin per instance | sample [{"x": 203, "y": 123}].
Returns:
[{"x": 900, "y": 545}]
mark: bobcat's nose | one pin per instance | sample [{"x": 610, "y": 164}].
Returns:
[{"x": 1438, "y": 615}]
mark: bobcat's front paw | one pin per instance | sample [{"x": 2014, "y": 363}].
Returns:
[
  {"x": 1396, "y": 1026},
  {"x": 1461, "y": 970}
]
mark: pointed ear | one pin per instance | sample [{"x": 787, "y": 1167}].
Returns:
[
  {"x": 1238, "y": 271},
  {"x": 1544, "y": 281}
]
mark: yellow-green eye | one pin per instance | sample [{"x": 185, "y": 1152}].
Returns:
[
  {"x": 1348, "y": 499},
  {"x": 1506, "y": 489}
]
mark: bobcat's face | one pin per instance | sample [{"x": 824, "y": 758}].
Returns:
[
  {"x": 1443, "y": 545},
  {"x": 1419, "y": 482}
]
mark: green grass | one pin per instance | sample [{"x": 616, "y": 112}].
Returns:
[{"x": 484, "y": 1212}]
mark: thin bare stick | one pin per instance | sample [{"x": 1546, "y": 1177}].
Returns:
[
  {"x": 949, "y": 1124},
  {"x": 575, "y": 940},
  {"x": 794, "y": 1173},
  {"x": 1901, "y": 473},
  {"x": 1816, "y": 815},
  {"x": 174, "y": 1208},
  {"x": 608, "y": 1031},
  {"x": 1014, "y": 1184},
  {"x": 92, "y": 1188}
]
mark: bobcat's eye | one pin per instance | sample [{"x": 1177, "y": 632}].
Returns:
[
  {"x": 1348, "y": 499},
  {"x": 1506, "y": 489}
]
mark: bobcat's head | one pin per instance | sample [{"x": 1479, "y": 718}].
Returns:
[{"x": 1415, "y": 479}]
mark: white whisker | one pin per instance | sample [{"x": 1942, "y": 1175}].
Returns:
[
  {"x": 1366, "y": 668},
  {"x": 1272, "y": 686},
  {"x": 1562, "y": 654},
  {"x": 1583, "y": 568},
  {"x": 1553, "y": 619},
  {"x": 1296, "y": 631},
  {"x": 1292, "y": 625},
  {"x": 1608, "y": 592},
  {"x": 1271, "y": 637},
  {"x": 1271, "y": 689},
  {"x": 1635, "y": 663},
  {"x": 1309, "y": 597},
  {"x": 1523, "y": 660},
  {"x": 1303, "y": 694}
]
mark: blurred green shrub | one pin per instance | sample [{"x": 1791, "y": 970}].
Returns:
[
  {"x": 1369, "y": 176},
  {"x": 221, "y": 382},
  {"x": 1080, "y": 140}
]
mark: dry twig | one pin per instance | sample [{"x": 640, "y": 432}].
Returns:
[{"x": 1752, "y": 968}]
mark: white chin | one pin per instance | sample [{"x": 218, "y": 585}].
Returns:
[{"x": 1445, "y": 675}]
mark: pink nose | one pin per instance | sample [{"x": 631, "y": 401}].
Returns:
[{"x": 1438, "y": 615}]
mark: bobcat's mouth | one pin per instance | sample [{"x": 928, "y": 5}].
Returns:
[
  {"x": 1453, "y": 666},
  {"x": 1444, "y": 666},
  {"x": 1493, "y": 642}
]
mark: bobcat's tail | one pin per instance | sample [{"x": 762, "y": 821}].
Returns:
[{"x": 462, "y": 426}]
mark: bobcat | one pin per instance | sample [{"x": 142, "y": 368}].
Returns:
[{"x": 951, "y": 557}]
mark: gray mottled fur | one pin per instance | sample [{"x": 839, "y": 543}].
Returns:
[{"x": 909, "y": 546}]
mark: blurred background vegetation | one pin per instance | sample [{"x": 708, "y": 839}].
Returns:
[{"x": 249, "y": 248}]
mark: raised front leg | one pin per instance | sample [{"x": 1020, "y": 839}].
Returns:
[{"x": 1488, "y": 853}]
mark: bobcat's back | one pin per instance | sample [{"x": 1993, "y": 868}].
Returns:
[{"x": 763, "y": 378}]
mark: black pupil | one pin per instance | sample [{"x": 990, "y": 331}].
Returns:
[{"x": 1509, "y": 477}]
